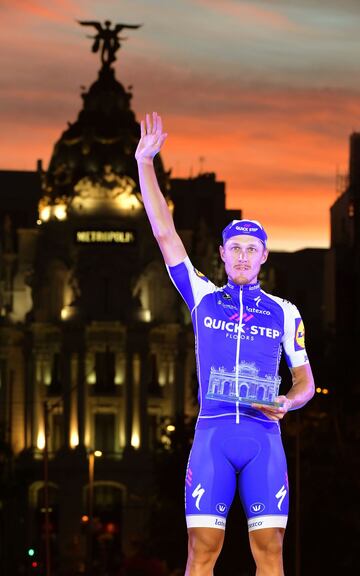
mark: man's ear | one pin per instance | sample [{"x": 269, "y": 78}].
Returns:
[
  {"x": 221, "y": 250},
  {"x": 265, "y": 256}
]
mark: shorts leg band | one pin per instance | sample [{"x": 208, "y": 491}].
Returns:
[
  {"x": 275, "y": 521},
  {"x": 205, "y": 521}
]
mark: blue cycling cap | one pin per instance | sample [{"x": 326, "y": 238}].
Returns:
[{"x": 240, "y": 227}]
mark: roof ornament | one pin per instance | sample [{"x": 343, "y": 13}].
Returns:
[{"x": 107, "y": 40}]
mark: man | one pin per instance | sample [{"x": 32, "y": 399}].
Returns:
[{"x": 240, "y": 332}]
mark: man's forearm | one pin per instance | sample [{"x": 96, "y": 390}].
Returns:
[
  {"x": 155, "y": 204},
  {"x": 303, "y": 387}
]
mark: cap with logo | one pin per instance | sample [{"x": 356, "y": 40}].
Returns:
[{"x": 242, "y": 227}]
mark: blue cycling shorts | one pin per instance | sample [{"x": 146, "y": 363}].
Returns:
[{"x": 248, "y": 456}]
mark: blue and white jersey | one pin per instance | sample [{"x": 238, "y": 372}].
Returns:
[{"x": 240, "y": 333}]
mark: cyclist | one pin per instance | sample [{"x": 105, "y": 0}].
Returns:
[{"x": 240, "y": 333}]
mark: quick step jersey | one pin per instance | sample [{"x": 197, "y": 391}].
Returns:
[{"x": 240, "y": 333}]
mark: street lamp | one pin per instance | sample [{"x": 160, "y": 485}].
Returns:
[{"x": 92, "y": 455}]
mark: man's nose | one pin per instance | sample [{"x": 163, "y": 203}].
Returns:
[{"x": 242, "y": 255}]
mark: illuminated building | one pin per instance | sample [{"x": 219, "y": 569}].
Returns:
[
  {"x": 344, "y": 268},
  {"x": 96, "y": 348}
]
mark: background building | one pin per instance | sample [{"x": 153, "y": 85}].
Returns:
[
  {"x": 344, "y": 267},
  {"x": 96, "y": 349},
  {"x": 96, "y": 354}
]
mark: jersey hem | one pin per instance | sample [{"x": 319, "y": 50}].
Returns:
[{"x": 226, "y": 417}]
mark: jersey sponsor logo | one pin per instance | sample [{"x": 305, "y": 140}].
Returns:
[
  {"x": 216, "y": 324},
  {"x": 257, "y": 300},
  {"x": 219, "y": 522},
  {"x": 247, "y": 317},
  {"x": 200, "y": 275},
  {"x": 281, "y": 495},
  {"x": 258, "y": 311},
  {"x": 237, "y": 327},
  {"x": 247, "y": 228},
  {"x": 221, "y": 508},
  {"x": 299, "y": 342},
  {"x": 229, "y": 306},
  {"x": 255, "y": 524},
  {"x": 263, "y": 331},
  {"x": 226, "y": 296},
  {"x": 257, "y": 507},
  {"x": 198, "y": 494}
]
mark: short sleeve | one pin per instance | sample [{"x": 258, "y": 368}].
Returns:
[
  {"x": 294, "y": 337},
  {"x": 191, "y": 283}
]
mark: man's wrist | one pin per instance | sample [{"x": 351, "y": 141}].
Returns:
[
  {"x": 149, "y": 161},
  {"x": 290, "y": 405}
]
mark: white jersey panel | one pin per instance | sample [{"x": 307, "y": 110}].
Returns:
[
  {"x": 293, "y": 340},
  {"x": 191, "y": 283}
]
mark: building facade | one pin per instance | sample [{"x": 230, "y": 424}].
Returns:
[
  {"x": 344, "y": 266},
  {"x": 96, "y": 348}
]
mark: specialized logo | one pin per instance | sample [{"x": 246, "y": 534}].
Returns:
[
  {"x": 257, "y": 301},
  {"x": 200, "y": 275},
  {"x": 257, "y": 507},
  {"x": 198, "y": 494},
  {"x": 281, "y": 495},
  {"x": 221, "y": 508},
  {"x": 299, "y": 343}
]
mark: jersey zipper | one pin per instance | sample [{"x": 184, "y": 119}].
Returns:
[{"x": 241, "y": 311}]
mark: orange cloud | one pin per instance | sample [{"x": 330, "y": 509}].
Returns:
[
  {"x": 276, "y": 148},
  {"x": 279, "y": 160},
  {"x": 59, "y": 11}
]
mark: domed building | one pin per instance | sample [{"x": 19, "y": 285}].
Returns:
[{"x": 96, "y": 348}]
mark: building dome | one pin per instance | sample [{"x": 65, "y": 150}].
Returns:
[{"x": 97, "y": 150}]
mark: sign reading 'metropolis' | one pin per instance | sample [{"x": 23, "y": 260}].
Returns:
[{"x": 105, "y": 237}]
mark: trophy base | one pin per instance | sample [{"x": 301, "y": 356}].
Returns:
[{"x": 244, "y": 401}]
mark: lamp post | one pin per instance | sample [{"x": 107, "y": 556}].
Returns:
[{"x": 92, "y": 455}]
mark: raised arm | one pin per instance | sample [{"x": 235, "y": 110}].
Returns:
[{"x": 160, "y": 217}]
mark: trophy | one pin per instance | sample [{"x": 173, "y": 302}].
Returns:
[{"x": 243, "y": 385}]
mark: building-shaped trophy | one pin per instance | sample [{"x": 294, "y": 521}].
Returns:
[{"x": 243, "y": 384}]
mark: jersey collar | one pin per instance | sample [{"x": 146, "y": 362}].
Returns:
[{"x": 249, "y": 290}]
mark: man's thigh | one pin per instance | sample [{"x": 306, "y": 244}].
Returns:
[
  {"x": 263, "y": 486},
  {"x": 210, "y": 483}
]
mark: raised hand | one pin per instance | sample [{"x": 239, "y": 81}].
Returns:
[{"x": 151, "y": 140}]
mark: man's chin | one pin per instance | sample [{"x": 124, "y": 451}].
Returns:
[{"x": 241, "y": 279}]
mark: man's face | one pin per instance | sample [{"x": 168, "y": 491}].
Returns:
[{"x": 243, "y": 256}]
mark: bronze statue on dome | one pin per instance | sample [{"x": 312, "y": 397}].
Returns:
[{"x": 107, "y": 40}]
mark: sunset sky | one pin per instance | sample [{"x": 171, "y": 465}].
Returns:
[{"x": 263, "y": 93}]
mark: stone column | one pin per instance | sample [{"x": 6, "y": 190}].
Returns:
[
  {"x": 142, "y": 398},
  {"x": 81, "y": 398},
  {"x": 66, "y": 378},
  {"x": 128, "y": 395}
]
